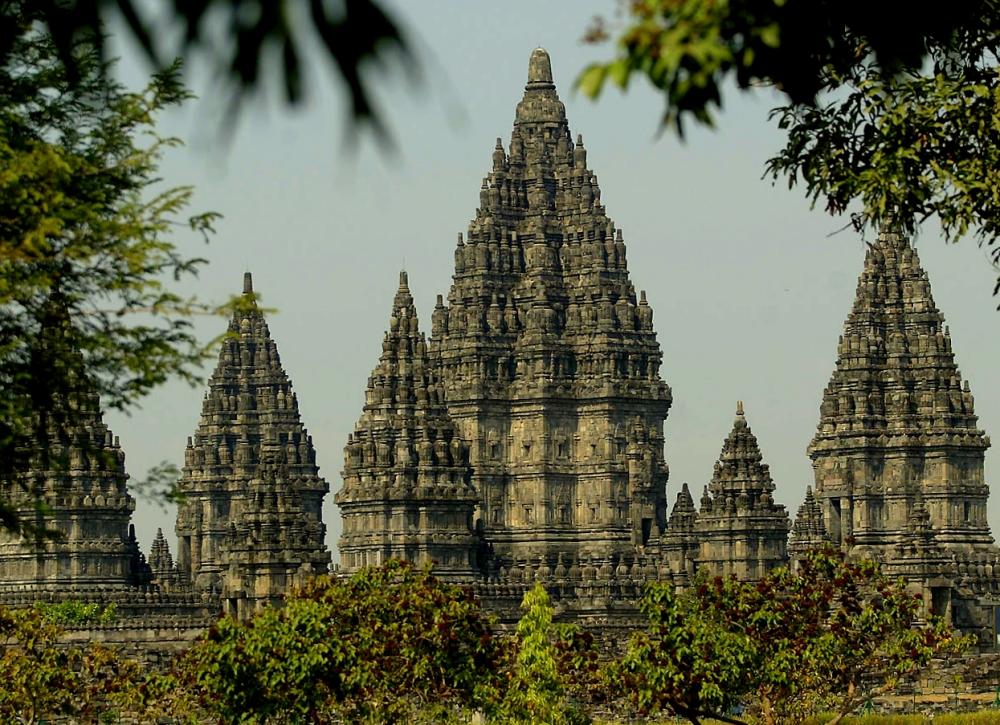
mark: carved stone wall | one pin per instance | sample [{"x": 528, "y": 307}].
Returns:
[
  {"x": 897, "y": 423},
  {"x": 740, "y": 530},
  {"x": 78, "y": 472}
]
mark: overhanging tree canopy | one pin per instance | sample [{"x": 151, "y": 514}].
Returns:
[
  {"x": 240, "y": 38},
  {"x": 87, "y": 252},
  {"x": 891, "y": 107}
]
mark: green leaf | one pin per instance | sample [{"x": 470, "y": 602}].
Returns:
[{"x": 591, "y": 80}]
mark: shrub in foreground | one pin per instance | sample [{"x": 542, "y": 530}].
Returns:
[{"x": 389, "y": 644}]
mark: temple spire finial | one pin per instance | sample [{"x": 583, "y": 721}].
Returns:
[
  {"x": 539, "y": 67},
  {"x": 247, "y": 283},
  {"x": 739, "y": 407}
]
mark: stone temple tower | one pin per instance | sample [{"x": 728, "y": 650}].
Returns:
[
  {"x": 78, "y": 472},
  {"x": 741, "y": 531},
  {"x": 808, "y": 531},
  {"x": 547, "y": 355},
  {"x": 679, "y": 543},
  {"x": 898, "y": 439},
  {"x": 250, "y": 439},
  {"x": 407, "y": 483}
]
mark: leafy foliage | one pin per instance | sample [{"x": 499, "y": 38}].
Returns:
[
  {"x": 389, "y": 644},
  {"x": 393, "y": 644},
  {"x": 906, "y": 147},
  {"x": 242, "y": 38},
  {"x": 536, "y": 689},
  {"x": 86, "y": 250},
  {"x": 43, "y": 678},
  {"x": 830, "y": 636},
  {"x": 836, "y": 633},
  {"x": 688, "y": 662},
  {"x": 76, "y": 612},
  {"x": 901, "y": 117},
  {"x": 689, "y": 49}
]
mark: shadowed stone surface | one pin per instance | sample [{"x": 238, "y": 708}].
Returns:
[{"x": 72, "y": 485}]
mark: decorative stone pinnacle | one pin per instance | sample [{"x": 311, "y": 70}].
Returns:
[
  {"x": 739, "y": 407},
  {"x": 247, "y": 283},
  {"x": 539, "y": 68}
]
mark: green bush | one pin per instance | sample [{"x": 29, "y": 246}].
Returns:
[
  {"x": 75, "y": 612},
  {"x": 983, "y": 717}
]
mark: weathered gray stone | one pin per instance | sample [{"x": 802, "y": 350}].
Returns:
[
  {"x": 524, "y": 442},
  {"x": 547, "y": 357},
  {"x": 548, "y": 365},
  {"x": 898, "y": 455},
  {"x": 407, "y": 482},
  {"x": 250, "y": 523},
  {"x": 808, "y": 530},
  {"x": 75, "y": 466},
  {"x": 897, "y": 424},
  {"x": 740, "y": 530},
  {"x": 78, "y": 473}
]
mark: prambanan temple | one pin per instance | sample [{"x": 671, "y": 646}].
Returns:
[{"x": 522, "y": 441}]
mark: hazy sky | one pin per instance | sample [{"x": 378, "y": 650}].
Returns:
[{"x": 748, "y": 288}]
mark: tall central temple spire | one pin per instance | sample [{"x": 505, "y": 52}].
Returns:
[{"x": 548, "y": 357}]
